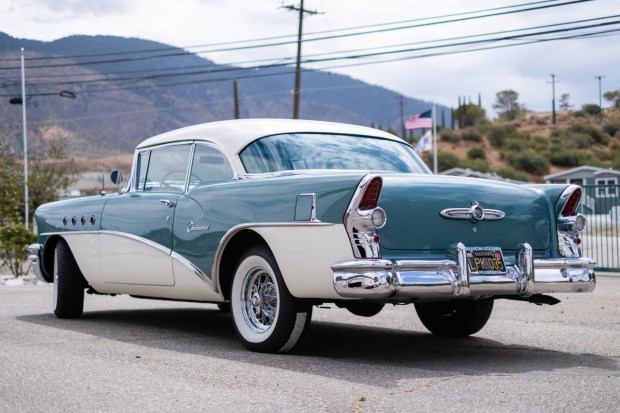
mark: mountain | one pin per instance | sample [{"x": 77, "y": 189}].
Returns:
[{"x": 128, "y": 89}]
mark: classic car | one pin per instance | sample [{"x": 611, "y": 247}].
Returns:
[{"x": 269, "y": 218}]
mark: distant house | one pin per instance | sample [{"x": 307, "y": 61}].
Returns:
[{"x": 600, "y": 185}]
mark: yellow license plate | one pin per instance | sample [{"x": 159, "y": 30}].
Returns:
[{"x": 485, "y": 260}]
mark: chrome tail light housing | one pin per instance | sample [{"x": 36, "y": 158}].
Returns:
[
  {"x": 570, "y": 223},
  {"x": 363, "y": 217}
]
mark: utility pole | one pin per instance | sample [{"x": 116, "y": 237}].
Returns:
[
  {"x": 236, "y": 97},
  {"x": 600, "y": 96},
  {"x": 553, "y": 98},
  {"x": 402, "y": 117},
  {"x": 297, "y": 89},
  {"x": 26, "y": 220}
]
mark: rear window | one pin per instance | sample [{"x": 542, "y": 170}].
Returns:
[{"x": 302, "y": 151}]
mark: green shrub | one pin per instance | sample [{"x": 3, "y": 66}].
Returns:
[
  {"x": 471, "y": 135},
  {"x": 476, "y": 153},
  {"x": 577, "y": 140},
  {"x": 591, "y": 109},
  {"x": 540, "y": 143},
  {"x": 593, "y": 131},
  {"x": 450, "y": 135},
  {"x": 511, "y": 173},
  {"x": 612, "y": 127},
  {"x": 530, "y": 162},
  {"x": 447, "y": 161},
  {"x": 497, "y": 136},
  {"x": 14, "y": 239},
  {"x": 516, "y": 146},
  {"x": 476, "y": 165},
  {"x": 568, "y": 157}
]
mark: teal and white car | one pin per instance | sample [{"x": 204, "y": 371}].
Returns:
[{"x": 271, "y": 217}]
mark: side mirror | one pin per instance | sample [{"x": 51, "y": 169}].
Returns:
[{"x": 116, "y": 177}]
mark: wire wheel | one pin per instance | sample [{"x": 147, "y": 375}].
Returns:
[
  {"x": 259, "y": 300},
  {"x": 267, "y": 318}
]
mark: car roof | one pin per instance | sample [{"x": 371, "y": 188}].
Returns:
[{"x": 234, "y": 135}]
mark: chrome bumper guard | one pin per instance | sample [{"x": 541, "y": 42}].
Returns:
[
  {"x": 33, "y": 257},
  {"x": 449, "y": 278}
]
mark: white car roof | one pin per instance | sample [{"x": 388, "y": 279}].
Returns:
[{"x": 234, "y": 135}]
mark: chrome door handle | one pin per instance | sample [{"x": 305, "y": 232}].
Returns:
[{"x": 167, "y": 202}]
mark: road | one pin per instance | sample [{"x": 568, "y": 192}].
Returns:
[{"x": 129, "y": 355}]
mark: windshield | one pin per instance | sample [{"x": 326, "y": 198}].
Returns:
[{"x": 329, "y": 151}]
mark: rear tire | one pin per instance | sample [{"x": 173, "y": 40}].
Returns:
[
  {"x": 267, "y": 318},
  {"x": 455, "y": 318},
  {"x": 69, "y": 284}
]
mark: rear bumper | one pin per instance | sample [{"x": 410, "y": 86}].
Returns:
[{"x": 445, "y": 279}]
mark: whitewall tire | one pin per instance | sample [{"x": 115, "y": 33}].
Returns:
[{"x": 267, "y": 318}]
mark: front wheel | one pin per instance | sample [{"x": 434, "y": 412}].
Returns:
[
  {"x": 267, "y": 318},
  {"x": 69, "y": 284},
  {"x": 455, "y": 318}
]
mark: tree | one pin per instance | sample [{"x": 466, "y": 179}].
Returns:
[
  {"x": 613, "y": 97},
  {"x": 507, "y": 105},
  {"x": 46, "y": 179},
  {"x": 472, "y": 114},
  {"x": 564, "y": 103},
  {"x": 14, "y": 238}
]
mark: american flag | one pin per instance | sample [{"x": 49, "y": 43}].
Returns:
[{"x": 420, "y": 121}]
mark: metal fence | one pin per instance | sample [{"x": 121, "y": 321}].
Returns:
[{"x": 601, "y": 238}]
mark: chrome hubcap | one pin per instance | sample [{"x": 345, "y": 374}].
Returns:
[{"x": 260, "y": 300}]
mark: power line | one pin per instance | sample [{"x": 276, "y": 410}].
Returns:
[
  {"x": 186, "y": 53},
  {"x": 160, "y": 49},
  {"x": 288, "y": 72},
  {"x": 225, "y": 68},
  {"x": 284, "y": 59}
]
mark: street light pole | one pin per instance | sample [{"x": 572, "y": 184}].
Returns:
[{"x": 26, "y": 220}]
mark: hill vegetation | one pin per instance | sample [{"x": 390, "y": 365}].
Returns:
[{"x": 531, "y": 146}]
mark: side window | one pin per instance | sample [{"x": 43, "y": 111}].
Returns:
[
  {"x": 209, "y": 166},
  {"x": 142, "y": 165},
  {"x": 163, "y": 169}
]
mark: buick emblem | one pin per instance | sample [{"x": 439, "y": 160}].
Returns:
[{"x": 474, "y": 213}]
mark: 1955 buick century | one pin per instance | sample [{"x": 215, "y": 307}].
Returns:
[{"x": 271, "y": 217}]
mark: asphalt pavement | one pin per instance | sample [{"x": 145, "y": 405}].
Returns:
[{"x": 130, "y": 355}]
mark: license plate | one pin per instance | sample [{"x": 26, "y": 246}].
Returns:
[{"x": 485, "y": 260}]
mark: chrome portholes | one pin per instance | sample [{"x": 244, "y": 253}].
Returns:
[{"x": 84, "y": 220}]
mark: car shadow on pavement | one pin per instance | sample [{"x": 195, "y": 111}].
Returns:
[{"x": 330, "y": 349}]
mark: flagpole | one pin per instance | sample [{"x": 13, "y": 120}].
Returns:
[{"x": 434, "y": 142}]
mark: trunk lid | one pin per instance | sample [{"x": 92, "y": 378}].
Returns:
[{"x": 413, "y": 204}]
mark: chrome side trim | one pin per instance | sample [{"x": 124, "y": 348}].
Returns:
[
  {"x": 187, "y": 263},
  {"x": 184, "y": 261},
  {"x": 448, "y": 278},
  {"x": 215, "y": 269}
]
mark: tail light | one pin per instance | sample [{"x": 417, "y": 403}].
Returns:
[
  {"x": 569, "y": 222},
  {"x": 370, "y": 198},
  {"x": 570, "y": 208},
  {"x": 364, "y": 217}
]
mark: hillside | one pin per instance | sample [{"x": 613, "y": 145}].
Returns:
[
  {"x": 529, "y": 148},
  {"x": 129, "y": 89}
]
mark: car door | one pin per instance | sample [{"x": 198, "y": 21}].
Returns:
[{"x": 136, "y": 237}]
